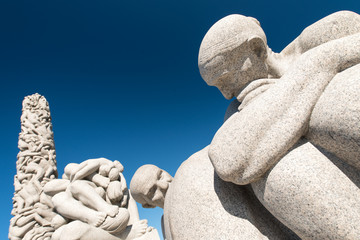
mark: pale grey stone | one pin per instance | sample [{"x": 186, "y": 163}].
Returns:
[
  {"x": 78, "y": 230},
  {"x": 308, "y": 90},
  {"x": 232, "y": 108},
  {"x": 202, "y": 206},
  {"x": 97, "y": 203},
  {"x": 90, "y": 202},
  {"x": 149, "y": 186},
  {"x": 199, "y": 205},
  {"x": 36, "y": 165},
  {"x": 334, "y": 123},
  {"x": 315, "y": 195}
]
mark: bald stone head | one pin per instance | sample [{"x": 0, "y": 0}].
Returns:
[
  {"x": 149, "y": 186},
  {"x": 233, "y": 53}
]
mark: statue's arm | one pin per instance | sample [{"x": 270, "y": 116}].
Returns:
[
  {"x": 254, "y": 139},
  {"x": 86, "y": 168},
  {"x": 133, "y": 210},
  {"x": 55, "y": 186},
  {"x": 339, "y": 24}
]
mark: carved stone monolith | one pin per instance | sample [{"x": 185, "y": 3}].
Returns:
[
  {"x": 36, "y": 165},
  {"x": 91, "y": 201}
]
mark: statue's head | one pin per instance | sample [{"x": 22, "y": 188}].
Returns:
[
  {"x": 149, "y": 186},
  {"x": 233, "y": 53}
]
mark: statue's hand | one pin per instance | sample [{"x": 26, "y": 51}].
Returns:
[{"x": 253, "y": 90}]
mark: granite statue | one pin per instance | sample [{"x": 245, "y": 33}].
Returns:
[
  {"x": 90, "y": 201},
  {"x": 294, "y": 137},
  {"x": 284, "y": 165},
  {"x": 199, "y": 205},
  {"x": 94, "y": 198},
  {"x": 36, "y": 166}
]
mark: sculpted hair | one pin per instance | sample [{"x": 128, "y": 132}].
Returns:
[
  {"x": 139, "y": 180},
  {"x": 227, "y": 34}
]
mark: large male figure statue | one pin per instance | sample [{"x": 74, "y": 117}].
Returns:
[{"x": 311, "y": 187}]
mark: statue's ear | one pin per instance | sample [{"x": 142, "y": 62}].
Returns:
[{"x": 258, "y": 46}]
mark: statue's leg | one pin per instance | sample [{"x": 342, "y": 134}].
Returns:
[
  {"x": 46, "y": 213},
  {"x": 58, "y": 221},
  {"x": 46, "y": 200},
  {"x": 20, "y": 202},
  {"x": 77, "y": 230},
  {"x": 67, "y": 206},
  {"x": 136, "y": 230},
  {"x": 309, "y": 194},
  {"x": 86, "y": 194},
  {"x": 25, "y": 219},
  {"x": 29, "y": 198},
  {"x": 42, "y": 221},
  {"x": 20, "y": 231}
]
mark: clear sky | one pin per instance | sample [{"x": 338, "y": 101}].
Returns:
[{"x": 121, "y": 77}]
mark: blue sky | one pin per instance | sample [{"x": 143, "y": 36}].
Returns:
[{"x": 121, "y": 77}]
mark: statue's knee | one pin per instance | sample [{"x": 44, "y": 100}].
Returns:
[
  {"x": 59, "y": 198},
  {"x": 58, "y": 221},
  {"x": 76, "y": 187}
]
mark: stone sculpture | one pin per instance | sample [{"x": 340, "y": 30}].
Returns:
[
  {"x": 295, "y": 138},
  {"x": 90, "y": 202},
  {"x": 199, "y": 205},
  {"x": 94, "y": 198},
  {"x": 36, "y": 166},
  {"x": 290, "y": 139}
]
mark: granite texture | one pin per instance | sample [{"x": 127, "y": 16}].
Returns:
[
  {"x": 315, "y": 195},
  {"x": 295, "y": 136},
  {"x": 199, "y": 205},
  {"x": 277, "y": 106},
  {"x": 334, "y": 122}
]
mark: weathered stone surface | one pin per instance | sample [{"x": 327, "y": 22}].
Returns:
[
  {"x": 315, "y": 195},
  {"x": 36, "y": 165},
  {"x": 199, "y": 205},
  {"x": 334, "y": 123},
  {"x": 309, "y": 91},
  {"x": 276, "y": 112}
]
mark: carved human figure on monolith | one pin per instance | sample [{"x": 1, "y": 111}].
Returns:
[
  {"x": 285, "y": 98},
  {"x": 36, "y": 165},
  {"x": 90, "y": 202}
]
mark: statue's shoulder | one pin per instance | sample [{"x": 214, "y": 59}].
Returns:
[{"x": 331, "y": 27}]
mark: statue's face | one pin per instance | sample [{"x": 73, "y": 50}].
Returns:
[
  {"x": 230, "y": 71},
  {"x": 232, "y": 54},
  {"x": 154, "y": 187}
]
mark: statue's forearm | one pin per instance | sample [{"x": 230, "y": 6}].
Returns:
[
  {"x": 253, "y": 140},
  {"x": 133, "y": 210}
]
